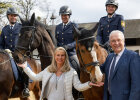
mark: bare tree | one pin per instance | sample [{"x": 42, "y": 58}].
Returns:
[
  {"x": 26, "y": 6},
  {"x": 45, "y": 7}
]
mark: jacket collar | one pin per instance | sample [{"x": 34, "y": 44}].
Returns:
[
  {"x": 120, "y": 61},
  {"x": 112, "y": 18}
]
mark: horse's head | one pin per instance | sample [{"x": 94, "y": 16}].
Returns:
[
  {"x": 27, "y": 41},
  {"x": 86, "y": 51}
]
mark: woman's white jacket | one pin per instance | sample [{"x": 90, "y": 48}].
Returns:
[{"x": 70, "y": 79}]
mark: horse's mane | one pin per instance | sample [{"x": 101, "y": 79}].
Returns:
[{"x": 84, "y": 33}]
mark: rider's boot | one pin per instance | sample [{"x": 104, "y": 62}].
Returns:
[{"x": 25, "y": 92}]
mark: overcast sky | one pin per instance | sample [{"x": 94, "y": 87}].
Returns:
[{"x": 84, "y": 11}]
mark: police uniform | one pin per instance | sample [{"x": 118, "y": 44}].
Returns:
[
  {"x": 9, "y": 37},
  {"x": 107, "y": 25},
  {"x": 65, "y": 37}
]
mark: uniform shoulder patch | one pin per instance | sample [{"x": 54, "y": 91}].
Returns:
[{"x": 122, "y": 23}]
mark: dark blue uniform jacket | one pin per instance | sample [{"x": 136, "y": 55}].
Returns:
[
  {"x": 107, "y": 25},
  {"x": 65, "y": 37},
  {"x": 8, "y": 37}
]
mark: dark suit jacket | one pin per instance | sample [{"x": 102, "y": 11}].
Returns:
[{"x": 125, "y": 82}]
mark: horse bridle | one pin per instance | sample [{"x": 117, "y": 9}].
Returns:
[
  {"x": 27, "y": 49},
  {"x": 93, "y": 64}
]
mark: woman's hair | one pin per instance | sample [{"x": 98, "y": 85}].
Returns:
[{"x": 53, "y": 67}]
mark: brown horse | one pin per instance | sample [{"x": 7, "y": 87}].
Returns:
[
  {"x": 33, "y": 35},
  {"x": 90, "y": 56},
  {"x": 9, "y": 88}
]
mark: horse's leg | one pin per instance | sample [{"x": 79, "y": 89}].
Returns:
[
  {"x": 37, "y": 91},
  {"x": 3, "y": 96}
]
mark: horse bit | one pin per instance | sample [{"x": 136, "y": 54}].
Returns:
[{"x": 28, "y": 49}]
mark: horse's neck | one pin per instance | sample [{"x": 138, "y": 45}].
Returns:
[
  {"x": 101, "y": 54},
  {"x": 45, "y": 51}
]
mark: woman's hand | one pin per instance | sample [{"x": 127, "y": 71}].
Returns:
[
  {"x": 98, "y": 84},
  {"x": 23, "y": 65}
]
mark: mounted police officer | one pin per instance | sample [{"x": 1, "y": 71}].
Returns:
[
  {"x": 109, "y": 23},
  {"x": 64, "y": 36},
  {"x": 9, "y": 37}
]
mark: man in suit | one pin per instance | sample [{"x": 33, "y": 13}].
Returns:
[
  {"x": 122, "y": 71},
  {"x": 109, "y": 23}
]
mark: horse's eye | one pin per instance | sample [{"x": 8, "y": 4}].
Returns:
[
  {"x": 27, "y": 53},
  {"x": 82, "y": 51}
]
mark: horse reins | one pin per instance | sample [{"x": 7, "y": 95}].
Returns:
[
  {"x": 5, "y": 60},
  {"x": 96, "y": 63}
]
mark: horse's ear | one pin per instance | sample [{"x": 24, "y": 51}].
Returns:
[
  {"x": 76, "y": 32},
  {"x": 21, "y": 19},
  {"x": 95, "y": 28},
  {"x": 32, "y": 20}
]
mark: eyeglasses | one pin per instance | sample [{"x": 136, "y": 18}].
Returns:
[{"x": 118, "y": 40}]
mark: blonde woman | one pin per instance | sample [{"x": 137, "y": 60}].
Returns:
[{"x": 58, "y": 78}]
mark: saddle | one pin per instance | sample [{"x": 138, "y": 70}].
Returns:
[{"x": 17, "y": 71}]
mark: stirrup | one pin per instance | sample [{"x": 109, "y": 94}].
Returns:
[{"x": 25, "y": 93}]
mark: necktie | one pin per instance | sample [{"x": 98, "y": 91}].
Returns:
[
  {"x": 109, "y": 19},
  {"x": 64, "y": 27},
  {"x": 11, "y": 28},
  {"x": 111, "y": 73}
]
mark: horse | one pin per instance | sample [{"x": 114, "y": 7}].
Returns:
[
  {"x": 90, "y": 55},
  {"x": 9, "y": 87},
  {"x": 33, "y": 35}
]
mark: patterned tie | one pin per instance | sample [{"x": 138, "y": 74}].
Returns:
[{"x": 111, "y": 73}]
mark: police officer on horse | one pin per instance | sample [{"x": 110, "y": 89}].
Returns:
[
  {"x": 9, "y": 38},
  {"x": 64, "y": 36},
  {"x": 109, "y": 23}
]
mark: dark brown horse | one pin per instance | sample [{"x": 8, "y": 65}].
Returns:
[
  {"x": 9, "y": 88},
  {"x": 90, "y": 56},
  {"x": 33, "y": 35}
]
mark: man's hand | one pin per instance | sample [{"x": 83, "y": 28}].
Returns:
[{"x": 98, "y": 84}]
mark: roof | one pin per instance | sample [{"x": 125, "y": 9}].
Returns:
[{"x": 132, "y": 27}]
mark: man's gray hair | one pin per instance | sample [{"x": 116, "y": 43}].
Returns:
[{"x": 117, "y": 32}]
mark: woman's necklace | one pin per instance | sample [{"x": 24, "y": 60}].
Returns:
[{"x": 58, "y": 75}]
